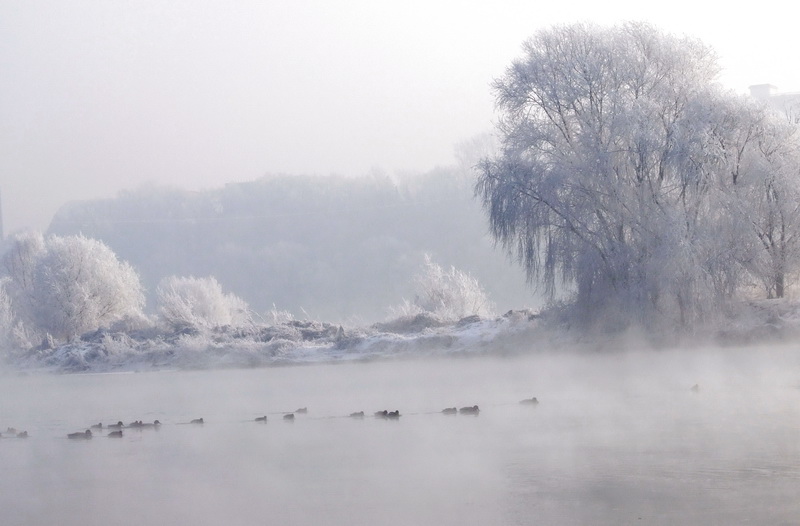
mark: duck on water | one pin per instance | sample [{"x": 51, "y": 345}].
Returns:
[
  {"x": 143, "y": 425},
  {"x": 15, "y": 434}
]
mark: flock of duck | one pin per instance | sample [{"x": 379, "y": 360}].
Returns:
[{"x": 115, "y": 430}]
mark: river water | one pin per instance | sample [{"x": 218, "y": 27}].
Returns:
[{"x": 617, "y": 438}]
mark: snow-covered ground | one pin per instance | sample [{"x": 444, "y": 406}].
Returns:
[
  {"x": 293, "y": 342},
  {"x": 303, "y": 342}
]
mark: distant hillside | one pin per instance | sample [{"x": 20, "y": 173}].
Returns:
[{"x": 337, "y": 248}]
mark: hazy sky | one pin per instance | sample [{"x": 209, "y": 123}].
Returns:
[{"x": 98, "y": 96}]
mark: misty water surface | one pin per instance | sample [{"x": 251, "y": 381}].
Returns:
[{"x": 616, "y": 439}]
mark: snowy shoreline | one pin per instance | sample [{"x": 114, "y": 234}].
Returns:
[
  {"x": 310, "y": 342},
  {"x": 290, "y": 343}
]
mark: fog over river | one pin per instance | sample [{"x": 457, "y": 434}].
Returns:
[{"x": 617, "y": 438}]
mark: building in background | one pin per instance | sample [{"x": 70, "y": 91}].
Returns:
[{"x": 788, "y": 103}]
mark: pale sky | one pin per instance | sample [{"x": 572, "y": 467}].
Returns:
[{"x": 100, "y": 96}]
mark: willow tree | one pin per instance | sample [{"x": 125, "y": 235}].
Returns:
[{"x": 606, "y": 179}]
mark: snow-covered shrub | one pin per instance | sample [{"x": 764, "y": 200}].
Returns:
[
  {"x": 448, "y": 294},
  {"x": 406, "y": 309},
  {"x": 134, "y": 323},
  {"x": 199, "y": 303},
  {"x": 6, "y": 314},
  {"x": 12, "y": 333},
  {"x": 118, "y": 344},
  {"x": 81, "y": 285},
  {"x": 278, "y": 317},
  {"x": 19, "y": 266},
  {"x": 65, "y": 286},
  {"x": 410, "y": 323}
]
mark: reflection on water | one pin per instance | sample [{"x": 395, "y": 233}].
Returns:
[{"x": 615, "y": 439}]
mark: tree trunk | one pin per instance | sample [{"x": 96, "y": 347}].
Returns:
[{"x": 779, "y": 285}]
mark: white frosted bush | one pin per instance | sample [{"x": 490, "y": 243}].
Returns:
[
  {"x": 406, "y": 309},
  {"x": 448, "y": 294},
  {"x": 8, "y": 324},
  {"x": 278, "y": 317},
  {"x": 19, "y": 267},
  {"x": 65, "y": 286},
  {"x": 199, "y": 303}
]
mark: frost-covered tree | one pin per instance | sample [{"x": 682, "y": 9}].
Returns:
[
  {"x": 7, "y": 320},
  {"x": 65, "y": 286},
  {"x": 776, "y": 221},
  {"x": 13, "y": 334},
  {"x": 199, "y": 303},
  {"x": 609, "y": 179},
  {"x": 758, "y": 192},
  {"x": 19, "y": 266},
  {"x": 448, "y": 294},
  {"x": 771, "y": 200},
  {"x": 80, "y": 285}
]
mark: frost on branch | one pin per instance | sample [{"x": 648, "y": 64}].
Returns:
[
  {"x": 65, "y": 286},
  {"x": 13, "y": 336},
  {"x": 628, "y": 176},
  {"x": 199, "y": 303},
  {"x": 447, "y": 294}
]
